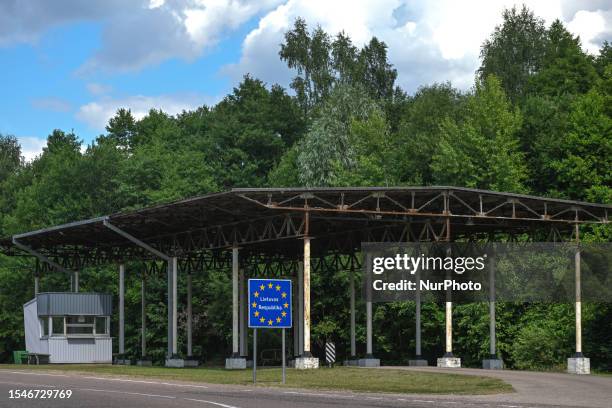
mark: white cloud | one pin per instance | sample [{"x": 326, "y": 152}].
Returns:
[
  {"x": 428, "y": 41},
  {"x": 97, "y": 113},
  {"x": 169, "y": 29},
  {"x": 590, "y": 25},
  {"x": 31, "y": 146},
  {"x": 135, "y": 33}
]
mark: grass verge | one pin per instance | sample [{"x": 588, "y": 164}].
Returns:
[{"x": 339, "y": 378}]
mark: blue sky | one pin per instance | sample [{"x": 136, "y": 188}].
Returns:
[{"x": 69, "y": 64}]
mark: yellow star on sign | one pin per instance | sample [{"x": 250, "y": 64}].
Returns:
[
  {"x": 269, "y": 322},
  {"x": 278, "y": 288},
  {"x": 262, "y": 287},
  {"x": 263, "y": 319},
  {"x": 284, "y": 294},
  {"x": 256, "y": 313},
  {"x": 270, "y": 285},
  {"x": 256, "y": 294},
  {"x": 254, "y": 305},
  {"x": 284, "y": 313},
  {"x": 278, "y": 320},
  {"x": 286, "y": 305}
]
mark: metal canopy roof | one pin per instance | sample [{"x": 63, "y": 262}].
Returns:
[{"x": 269, "y": 221}]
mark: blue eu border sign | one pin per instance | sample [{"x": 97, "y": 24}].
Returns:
[
  {"x": 269, "y": 308},
  {"x": 270, "y": 304}
]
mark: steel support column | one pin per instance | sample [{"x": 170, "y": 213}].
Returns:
[
  {"x": 578, "y": 305},
  {"x": 369, "y": 348},
  {"x": 36, "y": 284},
  {"x": 235, "y": 266},
  {"x": 301, "y": 307},
  {"x": 243, "y": 313},
  {"x": 296, "y": 324},
  {"x": 492, "y": 336},
  {"x": 143, "y": 317},
  {"x": 171, "y": 270},
  {"x": 121, "y": 309},
  {"x": 172, "y": 307},
  {"x": 578, "y": 364},
  {"x": 307, "y": 351},
  {"x": 417, "y": 302},
  {"x": 352, "y": 289},
  {"x": 189, "y": 316}
]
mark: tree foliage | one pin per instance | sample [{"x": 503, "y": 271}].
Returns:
[{"x": 515, "y": 51}]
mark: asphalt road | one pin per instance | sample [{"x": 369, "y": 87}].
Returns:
[{"x": 97, "y": 391}]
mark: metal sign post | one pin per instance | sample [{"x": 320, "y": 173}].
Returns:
[
  {"x": 269, "y": 308},
  {"x": 283, "y": 381},
  {"x": 254, "y": 355}
]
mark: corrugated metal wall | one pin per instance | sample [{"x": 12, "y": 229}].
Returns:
[
  {"x": 66, "y": 303},
  {"x": 32, "y": 329},
  {"x": 86, "y": 350}
]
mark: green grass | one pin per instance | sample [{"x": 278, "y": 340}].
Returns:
[{"x": 340, "y": 378}]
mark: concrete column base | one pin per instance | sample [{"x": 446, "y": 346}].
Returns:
[
  {"x": 493, "y": 364},
  {"x": 579, "y": 365},
  {"x": 418, "y": 362},
  {"x": 351, "y": 363},
  {"x": 449, "y": 362},
  {"x": 175, "y": 362},
  {"x": 306, "y": 363},
  {"x": 144, "y": 363},
  {"x": 235, "y": 363},
  {"x": 123, "y": 361},
  {"x": 192, "y": 362},
  {"x": 369, "y": 362}
]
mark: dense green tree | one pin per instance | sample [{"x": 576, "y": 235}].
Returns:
[
  {"x": 545, "y": 119},
  {"x": 585, "y": 166},
  {"x": 566, "y": 69},
  {"x": 329, "y": 150},
  {"x": 482, "y": 149},
  {"x": 515, "y": 51},
  {"x": 122, "y": 127},
  {"x": 321, "y": 62},
  {"x": 10, "y": 156},
  {"x": 603, "y": 59},
  {"x": 418, "y": 136},
  {"x": 308, "y": 54}
]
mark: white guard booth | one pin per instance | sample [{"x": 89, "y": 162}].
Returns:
[{"x": 70, "y": 327}]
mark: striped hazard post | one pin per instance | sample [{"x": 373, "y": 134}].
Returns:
[{"x": 330, "y": 353}]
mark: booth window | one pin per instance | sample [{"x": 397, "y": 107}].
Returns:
[
  {"x": 44, "y": 326},
  {"x": 101, "y": 325},
  {"x": 79, "y": 325},
  {"x": 57, "y": 326}
]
